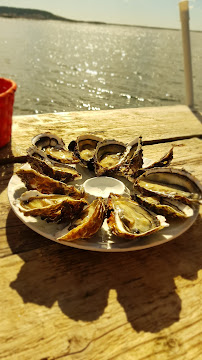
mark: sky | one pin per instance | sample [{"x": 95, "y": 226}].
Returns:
[{"x": 155, "y": 13}]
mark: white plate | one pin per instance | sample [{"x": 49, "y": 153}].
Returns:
[{"x": 102, "y": 240}]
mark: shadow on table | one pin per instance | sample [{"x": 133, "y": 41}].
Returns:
[
  {"x": 80, "y": 280},
  {"x": 197, "y": 114}
]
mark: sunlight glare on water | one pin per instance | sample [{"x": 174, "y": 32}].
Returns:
[{"x": 61, "y": 66}]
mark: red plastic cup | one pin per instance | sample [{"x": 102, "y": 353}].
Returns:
[{"x": 7, "y": 92}]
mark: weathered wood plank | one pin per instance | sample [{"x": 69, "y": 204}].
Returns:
[
  {"x": 165, "y": 122},
  {"x": 187, "y": 154},
  {"x": 60, "y": 303}
]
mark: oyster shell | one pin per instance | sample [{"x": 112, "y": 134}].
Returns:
[
  {"x": 165, "y": 206},
  {"x": 54, "y": 148},
  {"x": 36, "y": 181},
  {"x": 47, "y": 139},
  {"x": 40, "y": 162},
  {"x": 169, "y": 182},
  {"x": 130, "y": 220},
  {"x": 88, "y": 223},
  {"x": 132, "y": 159},
  {"x": 84, "y": 148},
  {"x": 132, "y": 173},
  {"x": 165, "y": 160},
  {"x": 108, "y": 157},
  {"x": 51, "y": 207}
]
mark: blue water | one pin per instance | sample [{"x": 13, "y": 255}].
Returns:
[{"x": 60, "y": 66}]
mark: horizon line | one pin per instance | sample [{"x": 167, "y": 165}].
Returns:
[{"x": 60, "y": 18}]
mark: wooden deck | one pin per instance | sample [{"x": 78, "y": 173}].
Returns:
[{"x": 62, "y": 303}]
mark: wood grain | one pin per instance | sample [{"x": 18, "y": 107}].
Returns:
[
  {"x": 62, "y": 303},
  {"x": 187, "y": 154},
  {"x": 167, "y": 122}
]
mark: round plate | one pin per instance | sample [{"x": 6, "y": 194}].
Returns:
[{"x": 102, "y": 240}]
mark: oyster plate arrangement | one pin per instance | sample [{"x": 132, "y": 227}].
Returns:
[{"x": 47, "y": 194}]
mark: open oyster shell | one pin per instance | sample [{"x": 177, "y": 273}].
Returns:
[
  {"x": 165, "y": 160},
  {"x": 130, "y": 220},
  {"x": 131, "y": 172},
  {"x": 51, "y": 207},
  {"x": 36, "y": 181},
  {"x": 165, "y": 206},
  {"x": 108, "y": 157},
  {"x": 39, "y": 161},
  {"x": 132, "y": 159},
  {"x": 87, "y": 224},
  {"x": 169, "y": 182},
  {"x": 47, "y": 139},
  {"x": 54, "y": 148},
  {"x": 84, "y": 149}
]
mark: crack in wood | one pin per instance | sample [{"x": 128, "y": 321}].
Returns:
[
  {"x": 22, "y": 159},
  {"x": 89, "y": 343}
]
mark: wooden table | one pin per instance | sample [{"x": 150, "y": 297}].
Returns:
[{"x": 58, "y": 302}]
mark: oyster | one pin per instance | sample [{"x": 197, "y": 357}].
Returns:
[
  {"x": 132, "y": 159},
  {"x": 108, "y": 157},
  {"x": 132, "y": 173},
  {"x": 130, "y": 220},
  {"x": 165, "y": 206},
  {"x": 51, "y": 207},
  {"x": 47, "y": 139},
  {"x": 54, "y": 148},
  {"x": 36, "y": 181},
  {"x": 84, "y": 148},
  {"x": 88, "y": 223},
  {"x": 169, "y": 182},
  {"x": 40, "y": 162},
  {"x": 165, "y": 160}
]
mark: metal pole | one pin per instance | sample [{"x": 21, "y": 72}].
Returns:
[{"x": 184, "y": 17}]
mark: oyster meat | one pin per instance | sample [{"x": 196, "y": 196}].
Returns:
[
  {"x": 169, "y": 182},
  {"x": 108, "y": 157},
  {"x": 84, "y": 149},
  {"x": 44, "y": 184},
  {"x": 87, "y": 224},
  {"x": 165, "y": 206},
  {"x": 54, "y": 148},
  {"x": 39, "y": 161},
  {"x": 130, "y": 220},
  {"x": 51, "y": 207}
]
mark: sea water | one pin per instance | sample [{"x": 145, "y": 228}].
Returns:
[{"x": 60, "y": 66}]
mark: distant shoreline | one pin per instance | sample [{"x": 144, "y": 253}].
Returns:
[{"x": 34, "y": 14}]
